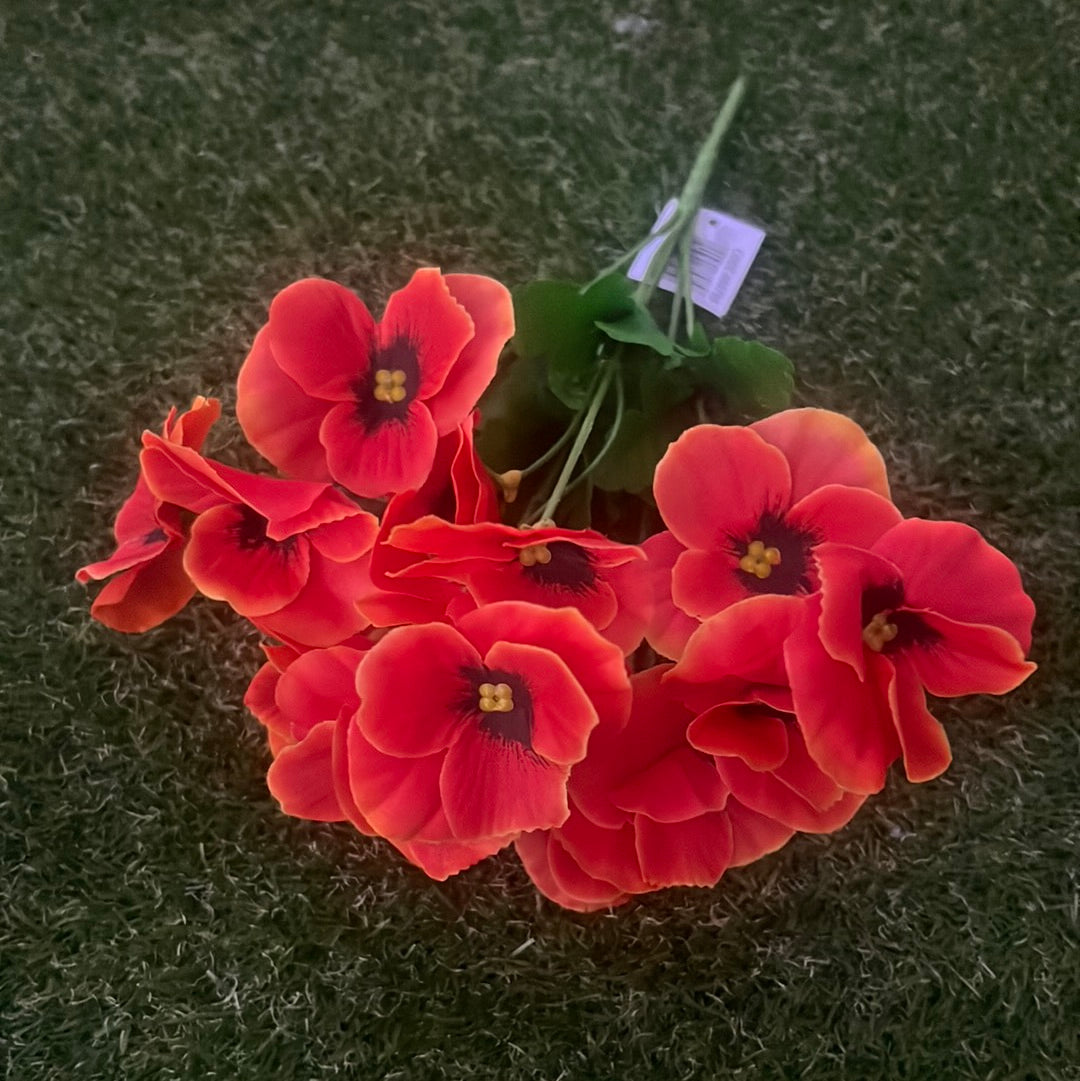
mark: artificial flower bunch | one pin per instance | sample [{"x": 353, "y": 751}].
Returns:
[{"x": 597, "y": 593}]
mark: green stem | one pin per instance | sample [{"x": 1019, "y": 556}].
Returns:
[
  {"x": 610, "y": 365},
  {"x": 687, "y": 284},
  {"x": 681, "y": 285},
  {"x": 624, "y": 260},
  {"x": 692, "y": 193},
  {"x": 613, "y": 431},
  {"x": 556, "y": 446}
]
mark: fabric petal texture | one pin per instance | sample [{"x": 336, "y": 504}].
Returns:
[
  {"x": 151, "y": 584},
  {"x": 637, "y": 689}
]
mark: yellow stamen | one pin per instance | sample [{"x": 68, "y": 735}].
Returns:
[
  {"x": 533, "y": 554},
  {"x": 759, "y": 560},
  {"x": 495, "y": 697},
  {"x": 389, "y": 385},
  {"x": 879, "y": 631}
]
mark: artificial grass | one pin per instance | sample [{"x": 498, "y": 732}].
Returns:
[{"x": 166, "y": 171}]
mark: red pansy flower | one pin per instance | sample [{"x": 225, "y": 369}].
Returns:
[
  {"x": 326, "y": 393},
  {"x": 466, "y": 734},
  {"x": 549, "y": 566},
  {"x": 732, "y": 676},
  {"x": 284, "y": 553},
  {"x": 150, "y": 583},
  {"x": 458, "y": 489},
  {"x": 747, "y": 507},
  {"x": 648, "y": 810},
  {"x": 930, "y": 608},
  {"x": 306, "y": 702}
]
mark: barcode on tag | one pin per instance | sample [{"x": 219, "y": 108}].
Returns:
[{"x": 722, "y": 250}]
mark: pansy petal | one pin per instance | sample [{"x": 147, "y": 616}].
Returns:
[
  {"x": 489, "y": 582},
  {"x": 596, "y": 664},
  {"x": 835, "y": 512},
  {"x": 492, "y": 786},
  {"x": 804, "y": 777},
  {"x": 681, "y": 785},
  {"x": 324, "y": 612},
  {"x": 716, "y": 482},
  {"x": 425, "y": 318},
  {"x": 192, "y": 427},
  {"x": 923, "y": 741},
  {"x": 398, "y": 797},
  {"x": 182, "y": 476},
  {"x": 607, "y": 854},
  {"x": 964, "y": 658},
  {"x": 129, "y": 553},
  {"x": 589, "y": 894},
  {"x": 339, "y": 763},
  {"x": 147, "y": 595},
  {"x": 393, "y": 456},
  {"x": 848, "y": 575},
  {"x": 745, "y": 642},
  {"x": 754, "y": 835},
  {"x": 492, "y": 312},
  {"x": 322, "y": 336},
  {"x": 410, "y": 686},
  {"x": 227, "y": 560},
  {"x": 656, "y": 727},
  {"x": 669, "y": 627},
  {"x": 562, "y": 715},
  {"x": 316, "y": 686},
  {"x": 475, "y": 496},
  {"x": 138, "y": 517},
  {"x": 441, "y": 859},
  {"x": 575, "y": 880},
  {"x": 845, "y": 721},
  {"x": 278, "y": 419},
  {"x": 634, "y": 597},
  {"x": 758, "y": 738},
  {"x": 261, "y": 698},
  {"x": 692, "y": 853},
  {"x": 289, "y": 506},
  {"x": 346, "y": 539},
  {"x": 949, "y": 568},
  {"x": 704, "y": 583},
  {"x": 301, "y": 777},
  {"x": 768, "y": 795},
  {"x": 822, "y": 448}
]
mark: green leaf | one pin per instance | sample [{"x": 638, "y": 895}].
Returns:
[
  {"x": 642, "y": 440},
  {"x": 520, "y": 417},
  {"x": 698, "y": 345},
  {"x": 752, "y": 379},
  {"x": 663, "y": 388},
  {"x": 610, "y": 297},
  {"x": 623, "y": 318},
  {"x": 638, "y": 328},
  {"x": 554, "y": 324}
]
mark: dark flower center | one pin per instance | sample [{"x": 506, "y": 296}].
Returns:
[
  {"x": 249, "y": 532},
  {"x": 384, "y": 392},
  {"x": 887, "y": 627},
  {"x": 567, "y": 567},
  {"x": 775, "y": 558},
  {"x": 500, "y": 703}
]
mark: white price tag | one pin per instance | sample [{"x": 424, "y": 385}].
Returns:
[{"x": 722, "y": 250}]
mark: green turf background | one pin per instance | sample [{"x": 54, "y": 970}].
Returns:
[{"x": 165, "y": 168}]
